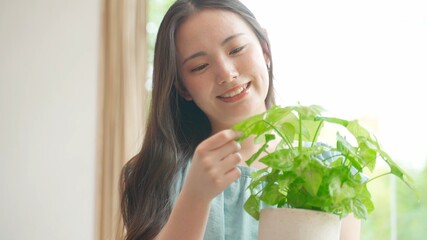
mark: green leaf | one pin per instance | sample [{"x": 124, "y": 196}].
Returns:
[
  {"x": 288, "y": 130},
  {"x": 313, "y": 176},
  {"x": 276, "y": 115},
  {"x": 258, "y": 174},
  {"x": 310, "y": 129},
  {"x": 271, "y": 194},
  {"x": 368, "y": 152},
  {"x": 281, "y": 159},
  {"x": 252, "y": 206},
  {"x": 397, "y": 171},
  {"x": 252, "y": 126},
  {"x": 309, "y": 111},
  {"x": 256, "y": 155},
  {"x": 332, "y": 120},
  {"x": 284, "y": 180},
  {"x": 357, "y": 130},
  {"x": 350, "y": 152},
  {"x": 256, "y": 183},
  {"x": 297, "y": 198},
  {"x": 359, "y": 209},
  {"x": 341, "y": 186}
]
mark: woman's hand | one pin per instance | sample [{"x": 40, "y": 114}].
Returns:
[{"x": 214, "y": 166}]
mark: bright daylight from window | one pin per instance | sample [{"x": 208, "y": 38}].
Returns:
[{"x": 364, "y": 60}]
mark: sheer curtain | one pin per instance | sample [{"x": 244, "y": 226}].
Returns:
[{"x": 121, "y": 104}]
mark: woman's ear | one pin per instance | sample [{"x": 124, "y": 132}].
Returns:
[
  {"x": 266, "y": 53},
  {"x": 266, "y": 49},
  {"x": 182, "y": 91},
  {"x": 186, "y": 95}
]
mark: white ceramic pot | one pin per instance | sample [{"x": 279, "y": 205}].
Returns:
[{"x": 298, "y": 224}]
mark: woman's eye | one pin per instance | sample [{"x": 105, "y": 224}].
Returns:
[
  {"x": 237, "y": 50},
  {"x": 199, "y": 68}
]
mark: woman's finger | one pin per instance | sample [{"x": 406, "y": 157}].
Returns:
[{"x": 219, "y": 139}]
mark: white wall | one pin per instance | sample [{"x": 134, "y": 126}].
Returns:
[{"x": 48, "y": 110}]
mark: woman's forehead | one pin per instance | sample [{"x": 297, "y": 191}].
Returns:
[{"x": 210, "y": 26}]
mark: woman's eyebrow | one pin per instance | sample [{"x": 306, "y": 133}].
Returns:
[
  {"x": 202, "y": 53},
  {"x": 197, "y": 54},
  {"x": 230, "y": 38}
]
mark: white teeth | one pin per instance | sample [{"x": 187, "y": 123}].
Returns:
[{"x": 235, "y": 92}]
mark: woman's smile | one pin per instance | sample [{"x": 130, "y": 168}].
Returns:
[{"x": 236, "y": 93}]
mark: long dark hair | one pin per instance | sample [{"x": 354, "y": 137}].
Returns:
[{"x": 174, "y": 127}]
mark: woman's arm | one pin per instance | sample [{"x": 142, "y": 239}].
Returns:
[
  {"x": 187, "y": 220},
  {"x": 350, "y": 228},
  {"x": 213, "y": 168}
]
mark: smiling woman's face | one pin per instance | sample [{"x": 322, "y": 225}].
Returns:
[{"x": 223, "y": 67}]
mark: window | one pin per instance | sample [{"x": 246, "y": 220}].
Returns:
[{"x": 364, "y": 60}]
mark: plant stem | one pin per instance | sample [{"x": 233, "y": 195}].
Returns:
[
  {"x": 317, "y": 133},
  {"x": 280, "y": 134},
  {"x": 381, "y": 175},
  {"x": 300, "y": 134}
]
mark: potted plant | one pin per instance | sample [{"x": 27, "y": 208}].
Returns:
[{"x": 305, "y": 172}]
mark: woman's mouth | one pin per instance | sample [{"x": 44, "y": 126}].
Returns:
[{"x": 236, "y": 93}]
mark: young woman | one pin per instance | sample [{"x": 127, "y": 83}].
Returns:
[{"x": 212, "y": 69}]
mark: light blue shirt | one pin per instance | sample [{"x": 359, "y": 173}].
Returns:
[{"x": 227, "y": 218}]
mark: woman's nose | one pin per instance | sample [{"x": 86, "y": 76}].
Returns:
[{"x": 226, "y": 71}]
